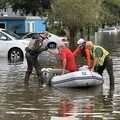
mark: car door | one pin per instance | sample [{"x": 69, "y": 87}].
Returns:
[{"x": 3, "y": 45}]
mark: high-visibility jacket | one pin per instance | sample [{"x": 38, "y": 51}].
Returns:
[
  {"x": 85, "y": 53},
  {"x": 102, "y": 58}
]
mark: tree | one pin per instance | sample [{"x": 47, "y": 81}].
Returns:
[
  {"x": 2, "y": 3},
  {"x": 34, "y": 7},
  {"x": 110, "y": 13},
  {"x": 113, "y": 6},
  {"x": 75, "y": 14}
]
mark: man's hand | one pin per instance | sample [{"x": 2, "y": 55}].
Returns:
[
  {"x": 96, "y": 60},
  {"x": 63, "y": 71},
  {"x": 92, "y": 69}
]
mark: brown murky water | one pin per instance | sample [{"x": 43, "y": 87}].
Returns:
[{"x": 34, "y": 102}]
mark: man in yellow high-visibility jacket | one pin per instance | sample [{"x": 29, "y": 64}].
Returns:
[{"x": 101, "y": 60}]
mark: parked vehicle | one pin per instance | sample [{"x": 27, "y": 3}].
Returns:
[
  {"x": 12, "y": 46},
  {"x": 110, "y": 30},
  {"x": 51, "y": 42}
]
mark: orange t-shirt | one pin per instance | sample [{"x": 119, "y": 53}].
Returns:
[{"x": 68, "y": 55}]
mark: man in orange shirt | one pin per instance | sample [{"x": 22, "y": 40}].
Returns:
[{"x": 84, "y": 51}]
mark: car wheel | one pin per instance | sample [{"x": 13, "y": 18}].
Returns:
[
  {"x": 15, "y": 54},
  {"x": 51, "y": 45}
]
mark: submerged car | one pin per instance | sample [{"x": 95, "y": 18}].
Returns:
[
  {"x": 51, "y": 42},
  {"x": 12, "y": 46}
]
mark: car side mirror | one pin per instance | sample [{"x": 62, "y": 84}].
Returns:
[{"x": 3, "y": 38}]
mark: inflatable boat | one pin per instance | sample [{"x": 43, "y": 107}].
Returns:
[{"x": 81, "y": 78}]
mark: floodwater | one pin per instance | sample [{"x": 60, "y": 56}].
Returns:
[{"x": 35, "y": 102}]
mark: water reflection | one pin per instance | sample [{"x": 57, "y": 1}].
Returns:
[
  {"x": 78, "y": 102},
  {"x": 25, "y": 102},
  {"x": 19, "y": 101},
  {"x": 110, "y": 42}
]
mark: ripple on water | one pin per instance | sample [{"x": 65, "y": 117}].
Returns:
[{"x": 25, "y": 102}]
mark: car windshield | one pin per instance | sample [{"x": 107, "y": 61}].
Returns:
[
  {"x": 109, "y": 28},
  {"x": 12, "y": 34}
]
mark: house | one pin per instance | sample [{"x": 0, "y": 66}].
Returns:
[{"x": 22, "y": 24}]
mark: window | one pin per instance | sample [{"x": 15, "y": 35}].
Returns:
[
  {"x": 2, "y": 25},
  {"x": 31, "y": 26}
]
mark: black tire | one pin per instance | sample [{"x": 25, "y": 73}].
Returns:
[
  {"x": 51, "y": 45},
  {"x": 15, "y": 54}
]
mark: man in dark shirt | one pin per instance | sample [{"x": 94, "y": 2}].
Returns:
[{"x": 32, "y": 52}]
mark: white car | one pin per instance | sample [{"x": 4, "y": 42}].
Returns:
[
  {"x": 110, "y": 30},
  {"x": 12, "y": 46},
  {"x": 51, "y": 42}
]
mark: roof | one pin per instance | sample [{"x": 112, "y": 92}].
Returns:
[
  {"x": 21, "y": 17},
  {"x": 33, "y": 17}
]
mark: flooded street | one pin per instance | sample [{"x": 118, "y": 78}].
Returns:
[{"x": 35, "y": 102}]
